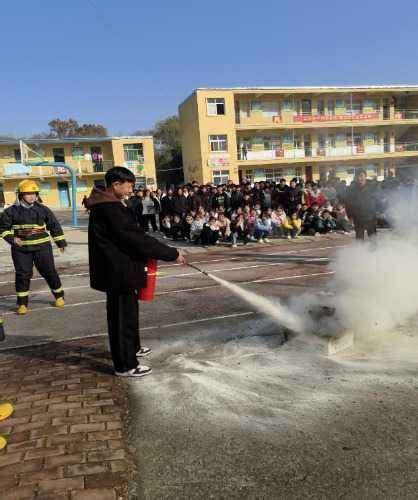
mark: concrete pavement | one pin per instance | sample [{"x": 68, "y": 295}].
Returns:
[{"x": 230, "y": 411}]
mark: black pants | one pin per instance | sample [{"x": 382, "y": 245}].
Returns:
[
  {"x": 43, "y": 260},
  {"x": 123, "y": 328},
  {"x": 146, "y": 219},
  {"x": 361, "y": 227}
]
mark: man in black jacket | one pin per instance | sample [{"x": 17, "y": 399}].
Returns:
[
  {"x": 118, "y": 253},
  {"x": 362, "y": 205}
]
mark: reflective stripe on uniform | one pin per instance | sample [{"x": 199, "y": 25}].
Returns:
[
  {"x": 22, "y": 294},
  {"x": 58, "y": 290},
  {"x": 59, "y": 238},
  {"x": 36, "y": 242},
  {"x": 7, "y": 233},
  {"x": 28, "y": 226}
]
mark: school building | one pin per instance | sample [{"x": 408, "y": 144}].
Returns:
[
  {"x": 91, "y": 157},
  {"x": 268, "y": 133}
]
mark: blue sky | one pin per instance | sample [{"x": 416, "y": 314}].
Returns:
[{"x": 128, "y": 63}]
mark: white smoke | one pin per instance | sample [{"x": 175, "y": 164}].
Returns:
[{"x": 374, "y": 287}]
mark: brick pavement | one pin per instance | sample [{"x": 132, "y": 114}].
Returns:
[{"x": 65, "y": 438}]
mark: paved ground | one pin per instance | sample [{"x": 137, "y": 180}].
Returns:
[
  {"x": 231, "y": 412},
  {"x": 65, "y": 436}
]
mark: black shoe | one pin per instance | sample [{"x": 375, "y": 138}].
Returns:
[
  {"x": 139, "y": 371},
  {"x": 144, "y": 351}
]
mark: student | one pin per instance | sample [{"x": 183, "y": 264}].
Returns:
[
  {"x": 118, "y": 253},
  {"x": 263, "y": 229},
  {"x": 177, "y": 228},
  {"x": 210, "y": 232},
  {"x": 329, "y": 224},
  {"x": 239, "y": 230},
  {"x": 292, "y": 226}
]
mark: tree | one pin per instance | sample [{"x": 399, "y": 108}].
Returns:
[
  {"x": 168, "y": 157},
  {"x": 62, "y": 128},
  {"x": 70, "y": 128}
]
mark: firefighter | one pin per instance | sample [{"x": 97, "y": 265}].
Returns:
[{"x": 25, "y": 226}]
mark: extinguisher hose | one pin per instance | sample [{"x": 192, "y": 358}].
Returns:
[{"x": 198, "y": 269}]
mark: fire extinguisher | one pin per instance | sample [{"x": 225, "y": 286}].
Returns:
[{"x": 147, "y": 294}]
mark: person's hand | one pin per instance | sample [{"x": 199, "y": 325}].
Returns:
[
  {"x": 18, "y": 242},
  {"x": 62, "y": 249},
  {"x": 181, "y": 259}
]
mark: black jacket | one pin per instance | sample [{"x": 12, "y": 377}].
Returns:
[
  {"x": 180, "y": 205},
  {"x": 362, "y": 202},
  {"x": 31, "y": 225},
  {"x": 118, "y": 248},
  {"x": 167, "y": 205}
]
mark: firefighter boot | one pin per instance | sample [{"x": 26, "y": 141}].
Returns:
[
  {"x": 60, "y": 302},
  {"x": 3, "y": 442},
  {"x": 6, "y": 409},
  {"x": 22, "y": 309}
]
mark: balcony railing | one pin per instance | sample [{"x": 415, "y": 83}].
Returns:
[
  {"x": 347, "y": 116},
  {"x": 327, "y": 151},
  {"x": 15, "y": 169},
  {"x": 406, "y": 114}
]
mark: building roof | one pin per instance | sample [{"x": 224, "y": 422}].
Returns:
[
  {"x": 309, "y": 89},
  {"x": 69, "y": 140},
  {"x": 326, "y": 88}
]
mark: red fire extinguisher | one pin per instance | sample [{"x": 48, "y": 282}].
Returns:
[{"x": 147, "y": 293}]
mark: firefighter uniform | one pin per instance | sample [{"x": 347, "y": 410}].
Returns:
[{"x": 32, "y": 225}]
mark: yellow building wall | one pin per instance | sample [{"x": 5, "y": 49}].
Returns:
[
  {"x": 149, "y": 160},
  {"x": 190, "y": 140},
  {"x": 197, "y": 125},
  {"x": 217, "y": 125},
  {"x": 48, "y": 178}
]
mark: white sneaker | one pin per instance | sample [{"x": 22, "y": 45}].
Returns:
[
  {"x": 260, "y": 240},
  {"x": 139, "y": 371},
  {"x": 266, "y": 240},
  {"x": 289, "y": 237},
  {"x": 144, "y": 351},
  {"x": 234, "y": 246}
]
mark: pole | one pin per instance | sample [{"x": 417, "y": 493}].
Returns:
[
  {"x": 74, "y": 196},
  {"x": 352, "y": 127},
  {"x": 73, "y": 175}
]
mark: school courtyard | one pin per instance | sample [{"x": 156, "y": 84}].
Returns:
[{"x": 231, "y": 409}]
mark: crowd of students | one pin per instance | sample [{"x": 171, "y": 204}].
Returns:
[{"x": 231, "y": 213}]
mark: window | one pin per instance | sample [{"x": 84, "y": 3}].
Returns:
[
  {"x": 297, "y": 142},
  {"x": 77, "y": 153},
  {"x": 273, "y": 174},
  {"x": 320, "y": 106},
  {"x": 256, "y": 106},
  {"x": 249, "y": 175},
  {"x": 331, "y": 107},
  {"x": 218, "y": 143},
  {"x": 270, "y": 108},
  {"x": 321, "y": 141},
  {"x": 215, "y": 106},
  {"x": 287, "y": 105},
  {"x": 220, "y": 176},
  {"x": 140, "y": 182},
  {"x": 306, "y": 107},
  {"x": 357, "y": 108},
  {"x": 376, "y": 138},
  {"x": 331, "y": 140},
  {"x": 133, "y": 152},
  {"x": 59, "y": 156},
  {"x": 18, "y": 155}
]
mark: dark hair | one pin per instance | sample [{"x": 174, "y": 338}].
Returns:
[
  {"x": 362, "y": 171},
  {"x": 119, "y": 174}
]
